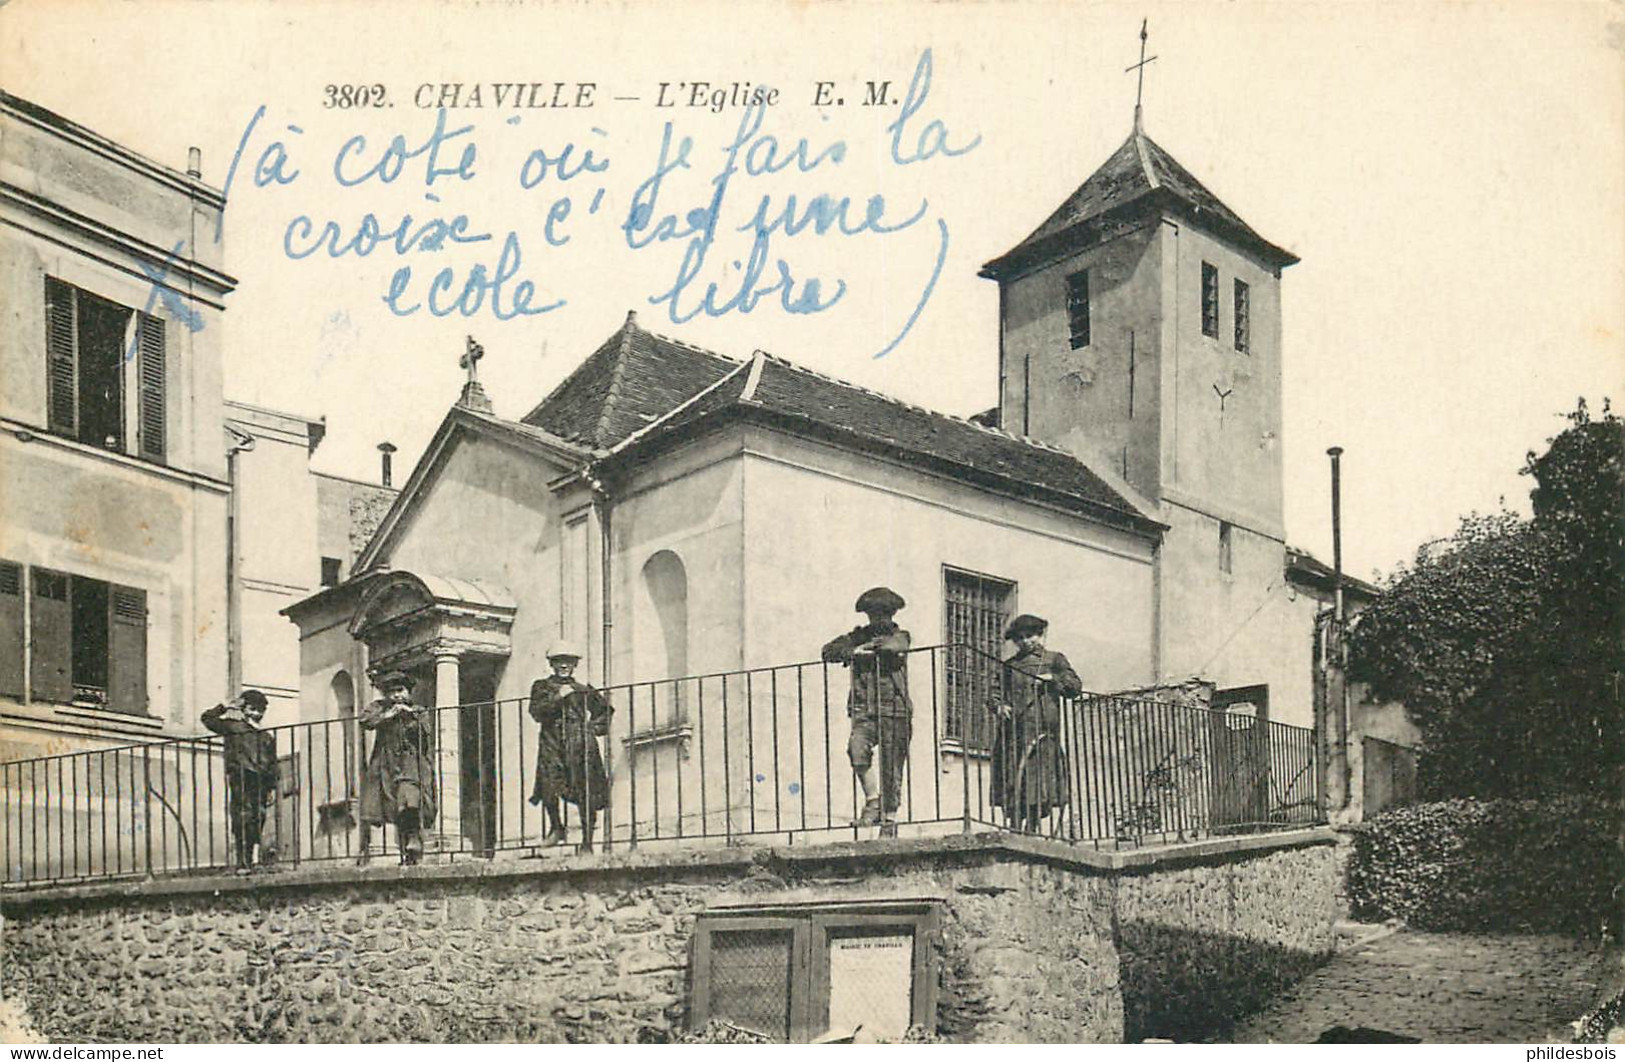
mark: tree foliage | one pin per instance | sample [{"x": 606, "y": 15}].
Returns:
[{"x": 1505, "y": 640}]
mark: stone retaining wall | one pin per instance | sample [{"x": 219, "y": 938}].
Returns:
[{"x": 1039, "y": 942}]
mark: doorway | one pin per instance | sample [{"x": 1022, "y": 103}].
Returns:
[{"x": 477, "y": 747}]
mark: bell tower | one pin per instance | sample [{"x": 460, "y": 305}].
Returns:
[{"x": 1140, "y": 329}]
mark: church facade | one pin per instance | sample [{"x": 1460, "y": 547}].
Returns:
[{"x": 671, "y": 511}]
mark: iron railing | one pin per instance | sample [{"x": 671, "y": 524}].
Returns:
[{"x": 757, "y": 754}]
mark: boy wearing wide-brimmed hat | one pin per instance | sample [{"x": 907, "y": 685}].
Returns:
[
  {"x": 1029, "y": 776},
  {"x": 877, "y": 703},
  {"x": 569, "y": 765}
]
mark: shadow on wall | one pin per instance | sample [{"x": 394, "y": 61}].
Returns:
[{"x": 1192, "y": 986}]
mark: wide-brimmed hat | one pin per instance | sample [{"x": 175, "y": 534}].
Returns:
[
  {"x": 1025, "y": 624},
  {"x": 390, "y": 679},
  {"x": 565, "y": 650},
  {"x": 879, "y": 599}
]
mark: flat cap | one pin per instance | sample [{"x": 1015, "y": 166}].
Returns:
[
  {"x": 1025, "y": 624},
  {"x": 390, "y": 679},
  {"x": 564, "y": 651},
  {"x": 879, "y": 599}
]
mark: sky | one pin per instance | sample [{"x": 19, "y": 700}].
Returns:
[{"x": 1452, "y": 176}]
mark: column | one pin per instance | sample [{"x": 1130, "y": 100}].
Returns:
[{"x": 447, "y": 694}]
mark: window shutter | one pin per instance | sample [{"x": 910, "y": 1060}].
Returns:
[
  {"x": 50, "y": 673},
  {"x": 127, "y": 650},
  {"x": 11, "y": 629},
  {"x": 150, "y": 365},
  {"x": 61, "y": 346}
]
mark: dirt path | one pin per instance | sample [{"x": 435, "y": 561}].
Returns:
[{"x": 1441, "y": 988}]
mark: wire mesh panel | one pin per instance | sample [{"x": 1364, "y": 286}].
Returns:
[{"x": 750, "y": 978}]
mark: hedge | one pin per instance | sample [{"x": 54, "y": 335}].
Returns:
[{"x": 1521, "y": 865}]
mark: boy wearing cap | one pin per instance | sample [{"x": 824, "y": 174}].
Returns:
[
  {"x": 877, "y": 703},
  {"x": 569, "y": 765},
  {"x": 1030, "y": 770},
  {"x": 398, "y": 784},
  {"x": 251, "y": 771}
]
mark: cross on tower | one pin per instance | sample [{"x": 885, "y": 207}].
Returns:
[{"x": 1140, "y": 66}]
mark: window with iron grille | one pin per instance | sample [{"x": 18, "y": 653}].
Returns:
[
  {"x": 979, "y": 607},
  {"x": 1210, "y": 300},
  {"x": 1077, "y": 307},
  {"x": 1244, "y": 317},
  {"x": 98, "y": 354}
]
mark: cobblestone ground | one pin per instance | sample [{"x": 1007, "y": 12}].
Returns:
[{"x": 1441, "y": 988}]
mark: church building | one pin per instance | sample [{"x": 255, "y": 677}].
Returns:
[{"x": 674, "y": 511}]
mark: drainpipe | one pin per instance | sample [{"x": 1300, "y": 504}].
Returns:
[
  {"x": 242, "y": 443},
  {"x": 601, "y": 502}
]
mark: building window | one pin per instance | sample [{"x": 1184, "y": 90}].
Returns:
[
  {"x": 1225, "y": 537},
  {"x": 979, "y": 607},
  {"x": 331, "y": 568},
  {"x": 97, "y": 354},
  {"x": 89, "y": 642},
  {"x": 1244, "y": 313},
  {"x": 1077, "y": 307},
  {"x": 805, "y": 973},
  {"x": 1210, "y": 300}
]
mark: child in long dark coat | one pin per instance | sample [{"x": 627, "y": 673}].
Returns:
[
  {"x": 398, "y": 785},
  {"x": 569, "y": 765}
]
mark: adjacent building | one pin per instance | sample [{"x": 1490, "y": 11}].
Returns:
[{"x": 112, "y": 560}]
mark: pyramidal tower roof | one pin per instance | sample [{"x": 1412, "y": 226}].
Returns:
[{"x": 1139, "y": 179}]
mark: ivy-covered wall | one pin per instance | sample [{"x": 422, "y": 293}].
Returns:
[{"x": 1518, "y": 865}]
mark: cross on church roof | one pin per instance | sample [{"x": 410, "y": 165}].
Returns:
[
  {"x": 473, "y": 396},
  {"x": 1140, "y": 66},
  {"x": 470, "y": 359}
]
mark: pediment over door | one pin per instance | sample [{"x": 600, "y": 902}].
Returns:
[{"x": 407, "y": 617}]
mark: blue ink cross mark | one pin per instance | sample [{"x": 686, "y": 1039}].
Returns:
[{"x": 173, "y": 302}]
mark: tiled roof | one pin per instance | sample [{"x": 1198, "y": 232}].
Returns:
[
  {"x": 635, "y": 378},
  {"x": 799, "y": 399},
  {"x": 1138, "y": 177},
  {"x": 1303, "y": 567}
]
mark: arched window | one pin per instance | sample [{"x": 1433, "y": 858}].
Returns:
[
  {"x": 666, "y": 647},
  {"x": 341, "y": 706}
]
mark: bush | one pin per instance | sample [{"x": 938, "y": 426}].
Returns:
[{"x": 1522, "y": 865}]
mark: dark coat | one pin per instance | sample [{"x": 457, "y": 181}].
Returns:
[
  {"x": 569, "y": 764},
  {"x": 1029, "y": 770},
  {"x": 400, "y": 773},
  {"x": 249, "y": 750},
  {"x": 875, "y": 653}
]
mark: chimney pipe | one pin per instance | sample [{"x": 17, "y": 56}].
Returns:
[
  {"x": 1341, "y": 757},
  {"x": 194, "y": 162},
  {"x": 386, "y": 448},
  {"x": 1336, "y": 454}
]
